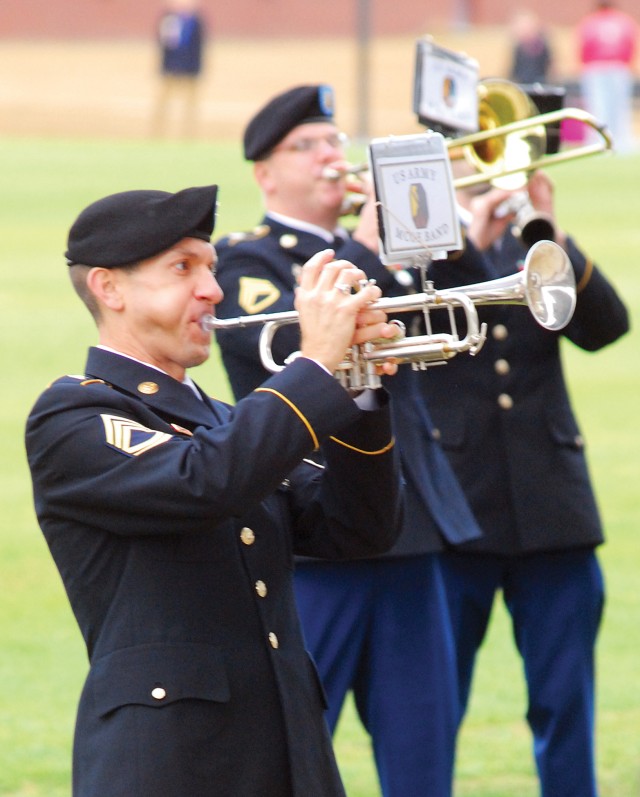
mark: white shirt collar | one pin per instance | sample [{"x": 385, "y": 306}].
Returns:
[{"x": 305, "y": 226}]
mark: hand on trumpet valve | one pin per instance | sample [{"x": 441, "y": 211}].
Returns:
[{"x": 333, "y": 301}]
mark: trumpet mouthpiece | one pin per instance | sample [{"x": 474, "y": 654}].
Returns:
[
  {"x": 335, "y": 173},
  {"x": 329, "y": 173}
]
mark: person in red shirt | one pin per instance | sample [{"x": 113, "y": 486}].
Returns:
[{"x": 607, "y": 44}]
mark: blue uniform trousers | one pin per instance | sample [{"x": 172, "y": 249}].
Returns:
[
  {"x": 555, "y": 601},
  {"x": 381, "y": 629}
]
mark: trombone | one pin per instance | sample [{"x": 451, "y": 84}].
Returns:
[
  {"x": 512, "y": 137},
  {"x": 546, "y": 285}
]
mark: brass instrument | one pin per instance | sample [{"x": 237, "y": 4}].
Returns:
[
  {"x": 546, "y": 285},
  {"x": 511, "y": 140},
  {"x": 529, "y": 225},
  {"x": 356, "y": 169},
  {"x": 354, "y": 200}
]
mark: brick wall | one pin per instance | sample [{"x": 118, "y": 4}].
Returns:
[{"x": 135, "y": 18}]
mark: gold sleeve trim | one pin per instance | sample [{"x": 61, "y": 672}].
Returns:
[
  {"x": 316, "y": 444},
  {"x": 586, "y": 276},
  {"x": 383, "y": 450}
]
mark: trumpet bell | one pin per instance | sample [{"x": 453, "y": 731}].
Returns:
[
  {"x": 550, "y": 285},
  {"x": 546, "y": 285}
]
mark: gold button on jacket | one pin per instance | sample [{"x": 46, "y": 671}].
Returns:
[{"x": 247, "y": 536}]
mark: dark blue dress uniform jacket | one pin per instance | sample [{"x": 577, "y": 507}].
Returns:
[
  {"x": 513, "y": 440},
  {"x": 257, "y": 272},
  {"x": 173, "y": 522}
]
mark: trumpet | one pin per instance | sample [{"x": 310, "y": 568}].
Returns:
[
  {"x": 546, "y": 285},
  {"x": 356, "y": 169},
  {"x": 353, "y": 202}
]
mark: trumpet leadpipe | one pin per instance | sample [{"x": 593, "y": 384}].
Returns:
[
  {"x": 211, "y": 323},
  {"x": 335, "y": 173}
]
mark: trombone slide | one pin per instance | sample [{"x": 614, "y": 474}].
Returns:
[{"x": 487, "y": 174}]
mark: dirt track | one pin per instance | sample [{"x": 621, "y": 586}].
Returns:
[{"x": 108, "y": 88}]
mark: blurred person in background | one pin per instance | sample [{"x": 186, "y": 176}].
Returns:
[
  {"x": 506, "y": 423},
  {"x": 531, "y": 56},
  {"x": 607, "y": 41},
  {"x": 377, "y": 627},
  {"x": 181, "y": 38}
]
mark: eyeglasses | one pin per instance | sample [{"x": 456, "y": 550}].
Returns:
[{"x": 333, "y": 140}]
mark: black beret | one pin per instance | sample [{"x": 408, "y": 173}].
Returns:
[
  {"x": 297, "y": 106},
  {"x": 133, "y": 225}
]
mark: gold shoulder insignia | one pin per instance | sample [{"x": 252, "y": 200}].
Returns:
[
  {"x": 256, "y": 294},
  {"x": 252, "y": 235},
  {"x": 92, "y": 382},
  {"x": 82, "y": 379},
  {"x": 181, "y": 429},
  {"x": 130, "y": 437}
]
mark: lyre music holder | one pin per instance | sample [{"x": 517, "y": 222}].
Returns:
[{"x": 417, "y": 213}]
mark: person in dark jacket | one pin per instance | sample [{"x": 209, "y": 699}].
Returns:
[
  {"x": 181, "y": 38},
  {"x": 173, "y": 517},
  {"x": 508, "y": 428},
  {"x": 377, "y": 627},
  {"x": 531, "y": 56}
]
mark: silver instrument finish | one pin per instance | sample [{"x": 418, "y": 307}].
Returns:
[{"x": 546, "y": 285}]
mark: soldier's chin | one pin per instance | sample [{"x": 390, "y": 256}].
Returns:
[{"x": 199, "y": 357}]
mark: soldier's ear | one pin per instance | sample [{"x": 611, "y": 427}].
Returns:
[
  {"x": 263, "y": 176},
  {"x": 104, "y": 284}
]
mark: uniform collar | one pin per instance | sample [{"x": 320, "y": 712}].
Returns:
[
  {"x": 188, "y": 381},
  {"x": 174, "y": 399},
  {"x": 305, "y": 226}
]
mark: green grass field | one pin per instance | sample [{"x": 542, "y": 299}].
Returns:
[{"x": 45, "y": 333}]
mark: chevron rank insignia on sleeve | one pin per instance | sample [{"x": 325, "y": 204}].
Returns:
[
  {"x": 256, "y": 294},
  {"x": 130, "y": 437}
]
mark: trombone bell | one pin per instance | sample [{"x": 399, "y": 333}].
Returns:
[
  {"x": 511, "y": 141},
  {"x": 501, "y": 103}
]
